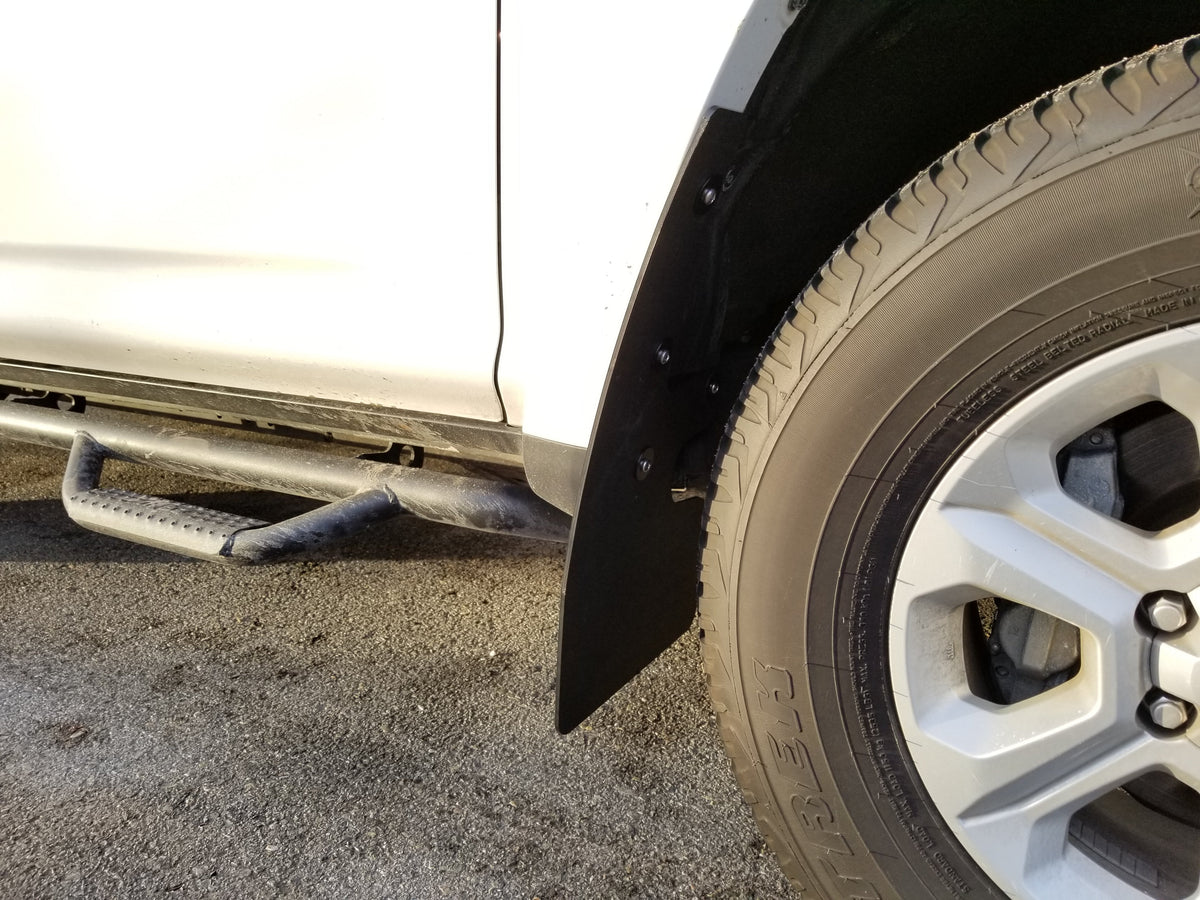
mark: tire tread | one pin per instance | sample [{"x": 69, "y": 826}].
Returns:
[{"x": 1078, "y": 118}]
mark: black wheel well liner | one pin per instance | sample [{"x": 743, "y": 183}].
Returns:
[{"x": 856, "y": 100}]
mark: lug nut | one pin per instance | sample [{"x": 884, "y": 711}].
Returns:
[
  {"x": 1166, "y": 610},
  {"x": 1168, "y": 712}
]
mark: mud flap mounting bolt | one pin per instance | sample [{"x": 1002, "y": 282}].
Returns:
[{"x": 645, "y": 463}]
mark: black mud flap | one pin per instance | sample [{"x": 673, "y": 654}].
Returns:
[{"x": 630, "y": 587}]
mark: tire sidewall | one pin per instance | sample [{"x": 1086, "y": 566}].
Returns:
[{"x": 847, "y": 465}]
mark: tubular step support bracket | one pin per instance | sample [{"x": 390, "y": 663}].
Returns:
[{"x": 206, "y": 533}]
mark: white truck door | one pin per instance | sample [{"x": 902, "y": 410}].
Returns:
[{"x": 282, "y": 198}]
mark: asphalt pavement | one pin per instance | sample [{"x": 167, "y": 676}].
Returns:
[{"x": 373, "y": 720}]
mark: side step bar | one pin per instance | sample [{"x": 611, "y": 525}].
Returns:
[{"x": 358, "y": 492}]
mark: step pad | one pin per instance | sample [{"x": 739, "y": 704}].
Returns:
[
  {"x": 157, "y": 521},
  {"x": 201, "y": 532}
]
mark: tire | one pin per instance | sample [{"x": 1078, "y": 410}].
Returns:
[{"x": 902, "y": 508}]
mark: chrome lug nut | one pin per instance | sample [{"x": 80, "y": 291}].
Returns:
[
  {"x": 1168, "y": 712},
  {"x": 1166, "y": 610}
]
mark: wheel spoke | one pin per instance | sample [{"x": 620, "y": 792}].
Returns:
[
  {"x": 995, "y": 554},
  {"x": 1004, "y": 756},
  {"x": 1028, "y": 838},
  {"x": 1177, "y": 378},
  {"x": 1034, "y": 501},
  {"x": 1175, "y": 554},
  {"x": 1182, "y": 759}
]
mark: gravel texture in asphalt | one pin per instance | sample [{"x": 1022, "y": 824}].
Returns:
[{"x": 374, "y": 720}]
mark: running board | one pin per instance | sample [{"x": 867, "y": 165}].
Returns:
[
  {"x": 206, "y": 533},
  {"x": 358, "y": 492}
]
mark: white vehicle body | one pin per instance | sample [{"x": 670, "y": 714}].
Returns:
[
  {"x": 272, "y": 199},
  {"x": 242, "y": 176},
  {"x": 587, "y": 168}
]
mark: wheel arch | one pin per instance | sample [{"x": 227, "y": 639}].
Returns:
[{"x": 855, "y": 101}]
